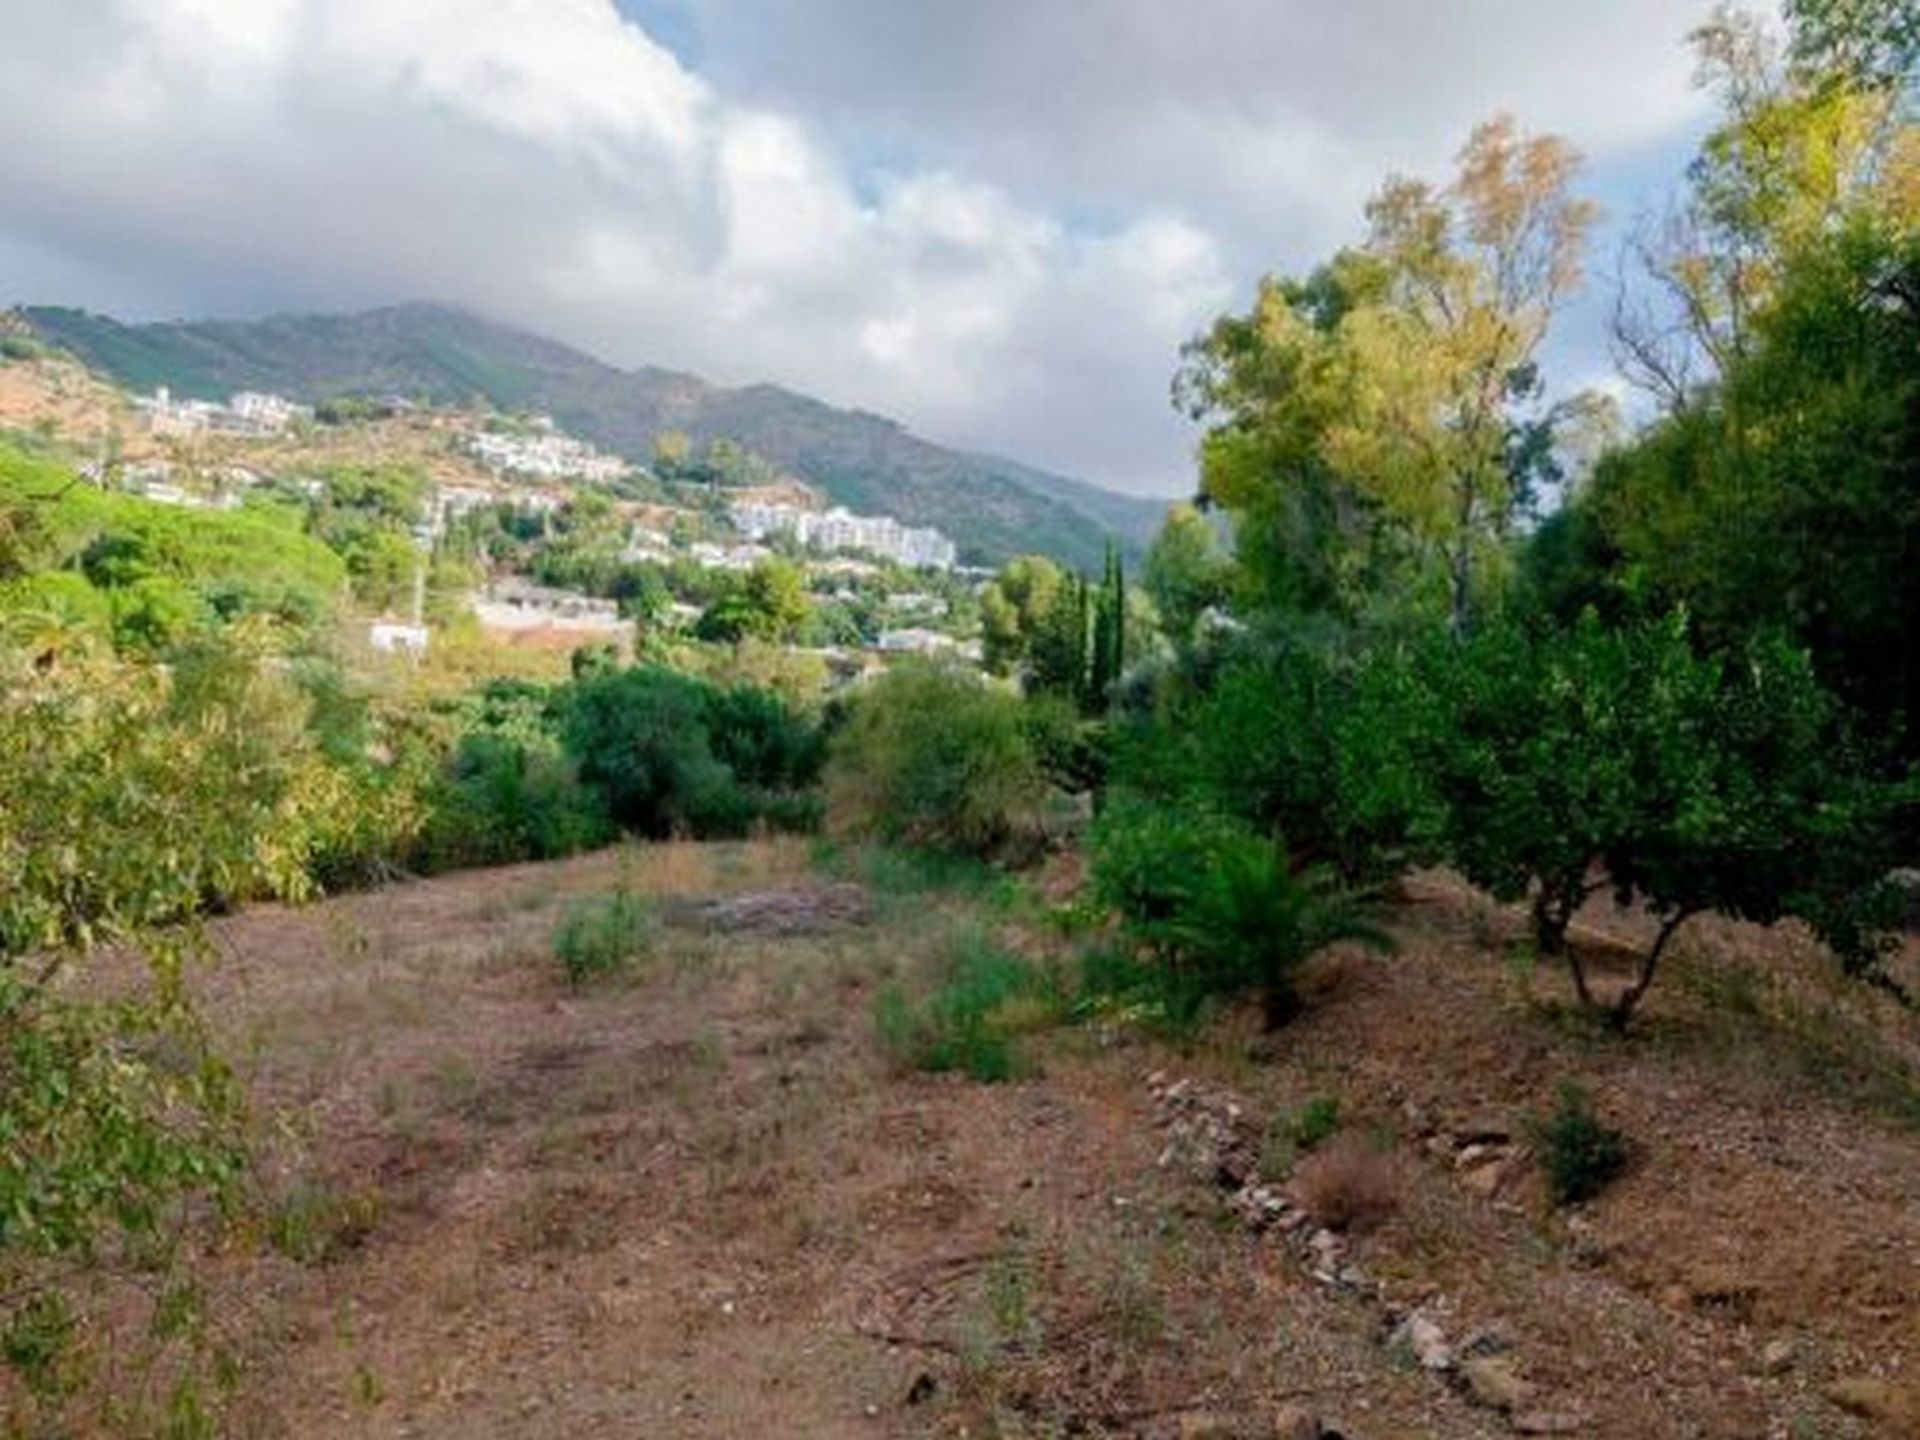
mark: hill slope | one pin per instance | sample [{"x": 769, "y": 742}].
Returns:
[{"x": 992, "y": 508}]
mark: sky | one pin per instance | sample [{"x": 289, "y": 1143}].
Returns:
[{"x": 995, "y": 220}]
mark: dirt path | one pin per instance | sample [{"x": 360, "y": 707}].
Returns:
[{"x": 695, "y": 1202}]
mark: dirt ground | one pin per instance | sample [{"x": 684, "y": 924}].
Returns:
[{"x": 694, "y": 1200}]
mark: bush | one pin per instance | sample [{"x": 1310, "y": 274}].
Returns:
[
  {"x": 1301, "y": 741},
  {"x": 1580, "y": 1155},
  {"x": 672, "y": 754},
  {"x": 598, "y": 937},
  {"x": 935, "y": 757},
  {"x": 502, "y": 800},
  {"x": 1349, "y": 1184},
  {"x": 1218, "y": 907},
  {"x": 985, "y": 999},
  {"x": 1581, "y": 759}
]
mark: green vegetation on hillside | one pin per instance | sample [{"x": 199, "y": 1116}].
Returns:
[{"x": 991, "y": 508}]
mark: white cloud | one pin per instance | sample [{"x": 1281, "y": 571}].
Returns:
[{"x": 994, "y": 219}]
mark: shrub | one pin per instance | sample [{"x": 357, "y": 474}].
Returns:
[
  {"x": 1580, "y": 1155},
  {"x": 1590, "y": 758},
  {"x": 502, "y": 799},
  {"x": 936, "y": 757},
  {"x": 598, "y": 937},
  {"x": 986, "y": 997},
  {"x": 673, "y": 754},
  {"x": 1348, "y": 1184},
  {"x": 1302, "y": 741},
  {"x": 1219, "y": 907}
]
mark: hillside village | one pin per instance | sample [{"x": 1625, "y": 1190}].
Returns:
[{"x": 895, "y": 589}]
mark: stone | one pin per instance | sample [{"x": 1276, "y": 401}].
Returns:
[
  {"x": 1873, "y": 1399},
  {"x": 1328, "y": 1249},
  {"x": 1777, "y": 1358},
  {"x": 1485, "y": 1178},
  {"x": 1206, "y": 1425},
  {"x": 1548, "y": 1422},
  {"x": 1293, "y": 1422},
  {"x": 1721, "y": 1287},
  {"x": 1487, "y": 1127},
  {"x": 1485, "y": 1341},
  {"x": 1426, "y": 1340},
  {"x": 1492, "y": 1381}
]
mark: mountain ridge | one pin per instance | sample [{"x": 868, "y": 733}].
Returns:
[{"x": 992, "y": 507}]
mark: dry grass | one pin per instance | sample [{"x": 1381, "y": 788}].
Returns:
[
  {"x": 697, "y": 1203},
  {"x": 1348, "y": 1184}
]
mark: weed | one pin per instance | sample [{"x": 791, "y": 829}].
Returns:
[
  {"x": 1294, "y": 1133},
  {"x": 987, "y": 997},
  {"x": 897, "y": 871},
  {"x": 35, "y": 1344},
  {"x": 1009, "y": 1298},
  {"x": 1581, "y": 1156},
  {"x": 598, "y": 937},
  {"x": 315, "y": 1224}
]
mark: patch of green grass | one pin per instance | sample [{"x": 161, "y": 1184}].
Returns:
[
  {"x": 1580, "y": 1155},
  {"x": 1292, "y": 1133},
  {"x": 892, "y": 871},
  {"x": 598, "y": 937},
  {"x": 315, "y": 1224},
  {"x": 985, "y": 998}
]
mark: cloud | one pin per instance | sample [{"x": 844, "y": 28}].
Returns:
[{"x": 996, "y": 220}]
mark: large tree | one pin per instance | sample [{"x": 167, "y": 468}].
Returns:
[
  {"x": 1802, "y": 145},
  {"x": 1370, "y": 412}
]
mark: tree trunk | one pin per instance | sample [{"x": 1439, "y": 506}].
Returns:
[{"x": 1621, "y": 1014}]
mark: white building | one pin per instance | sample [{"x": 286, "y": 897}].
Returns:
[
  {"x": 397, "y": 637},
  {"x": 728, "y": 557},
  {"x": 515, "y": 606},
  {"x": 248, "y": 413},
  {"x": 545, "y": 455},
  {"x": 914, "y": 642},
  {"x": 840, "y": 529}
]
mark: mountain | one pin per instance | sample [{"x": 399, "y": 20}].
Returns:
[{"x": 992, "y": 508}]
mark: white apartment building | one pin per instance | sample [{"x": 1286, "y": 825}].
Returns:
[{"x": 840, "y": 529}]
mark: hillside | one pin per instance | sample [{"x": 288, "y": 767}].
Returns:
[
  {"x": 992, "y": 508},
  {"x": 698, "y": 1200}
]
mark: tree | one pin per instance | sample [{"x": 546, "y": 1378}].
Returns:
[
  {"x": 1587, "y": 759},
  {"x": 1014, "y": 607},
  {"x": 1799, "y": 149},
  {"x": 938, "y": 757},
  {"x": 1377, "y": 401},
  {"x": 1187, "y": 573},
  {"x": 1872, "y": 43},
  {"x": 777, "y": 590},
  {"x": 1786, "y": 498}
]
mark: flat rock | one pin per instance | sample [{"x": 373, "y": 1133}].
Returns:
[
  {"x": 1492, "y": 1381},
  {"x": 1874, "y": 1399}
]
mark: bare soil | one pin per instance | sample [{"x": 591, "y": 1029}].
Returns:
[{"x": 696, "y": 1201}]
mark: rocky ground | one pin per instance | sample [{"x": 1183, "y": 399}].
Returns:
[{"x": 695, "y": 1201}]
